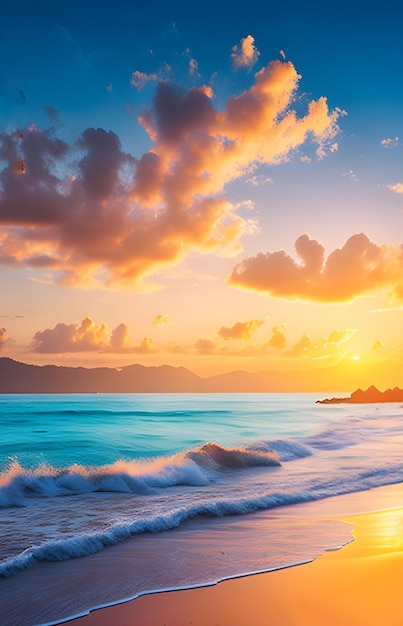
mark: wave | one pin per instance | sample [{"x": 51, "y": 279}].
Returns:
[
  {"x": 196, "y": 467},
  {"x": 87, "y": 543}
]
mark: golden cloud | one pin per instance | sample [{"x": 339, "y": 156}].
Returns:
[
  {"x": 278, "y": 338},
  {"x": 241, "y": 330},
  {"x": 89, "y": 336},
  {"x": 204, "y": 346},
  {"x": 359, "y": 268},
  {"x": 322, "y": 346},
  {"x": 160, "y": 319},
  {"x": 96, "y": 215},
  {"x": 246, "y": 55}
]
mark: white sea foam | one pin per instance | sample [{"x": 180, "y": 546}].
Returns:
[
  {"x": 88, "y": 507},
  {"x": 195, "y": 467}
]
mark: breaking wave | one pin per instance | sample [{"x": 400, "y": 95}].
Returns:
[{"x": 195, "y": 467}]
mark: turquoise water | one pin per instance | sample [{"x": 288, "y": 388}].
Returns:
[
  {"x": 172, "y": 478},
  {"x": 98, "y": 429}
]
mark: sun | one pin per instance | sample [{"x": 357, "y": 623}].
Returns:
[{"x": 356, "y": 357}]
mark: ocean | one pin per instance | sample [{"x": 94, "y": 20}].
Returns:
[{"x": 105, "y": 497}]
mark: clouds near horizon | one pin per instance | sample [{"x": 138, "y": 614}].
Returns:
[
  {"x": 88, "y": 336},
  {"x": 3, "y": 337},
  {"x": 97, "y": 216},
  {"x": 240, "y": 330},
  {"x": 359, "y": 268}
]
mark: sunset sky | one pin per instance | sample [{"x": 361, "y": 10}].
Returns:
[{"x": 203, "y": 185}]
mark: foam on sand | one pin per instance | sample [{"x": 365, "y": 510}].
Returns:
[{"x": 359, "y": 584}]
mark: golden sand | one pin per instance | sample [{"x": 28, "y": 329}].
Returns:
[{"x": 358, "y": 585}]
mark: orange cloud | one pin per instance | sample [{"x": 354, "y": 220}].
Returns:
[
  {"x": 359, "y": 268},
  {"x": 397, "y": 187},
  {"x": 241, "y": 330},
  {"x": 321, "y": 347},
  {"x": 160, "y": 319},
  {"x": 204, "y": 346},
  {"x": 97, "y": 216},
  {"x": 306, "y": 347},
  {"x": 246, "y": 55},
  {"x": 88, "y": 336},
  {"x": 278, "y": 339}
]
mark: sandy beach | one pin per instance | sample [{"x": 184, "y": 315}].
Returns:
[{"x": 359, "y": 584}]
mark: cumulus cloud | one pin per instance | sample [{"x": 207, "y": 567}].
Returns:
[
  {"x": 397, "y": 187},
  {"x": 246, "y": 54},
  {"x": 357, "y": 269},
  {"x": 241, "y": 330},
  {"x": 204, "y": 346},
  {"x": 89, "y": 336},
  {"x": 97, "y": 216}
]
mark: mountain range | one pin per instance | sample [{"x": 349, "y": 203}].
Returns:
[{"x": 17, "y": 377}]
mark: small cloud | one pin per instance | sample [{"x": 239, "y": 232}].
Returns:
[
  {"x": 278, "y": 339},
  {"x": 109, "y": 88},
  {"x": 397, "y": 187},
  {"x": 204, "y": 346},
  {"x": 351, "y": 175},
  {"x": 160, "y": 319},
  {"x": 193, "y": 68},
  {"x": 282, "y": 54},
  {"x": 378, "y": 345},
  {"x": 246, "y": 55},
  {"x": 241, "y": 330},
  {"x": 390, "y": 142},
  {"x": 334, "y": 147},
  {"x": 259, "y": 179},
  {"x": 140, "y": 79},
  {"x": 145, "y": 346}
]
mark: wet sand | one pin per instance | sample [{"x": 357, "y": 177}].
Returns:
[{"x": 360, "y": 584}]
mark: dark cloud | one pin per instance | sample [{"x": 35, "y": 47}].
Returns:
[{"x": 98, "y": 216}]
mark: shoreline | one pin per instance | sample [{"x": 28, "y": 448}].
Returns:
[{"x": 355, "y": 583}]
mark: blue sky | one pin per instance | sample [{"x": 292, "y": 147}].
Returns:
[{"x": 68, "y": 67}]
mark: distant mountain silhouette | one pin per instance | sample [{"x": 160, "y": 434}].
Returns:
[
  {"x": 16, "y": 377},
  {"x": 370, "y": 395}
]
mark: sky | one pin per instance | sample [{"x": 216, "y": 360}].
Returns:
[{"x": 204, "y": 186}]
